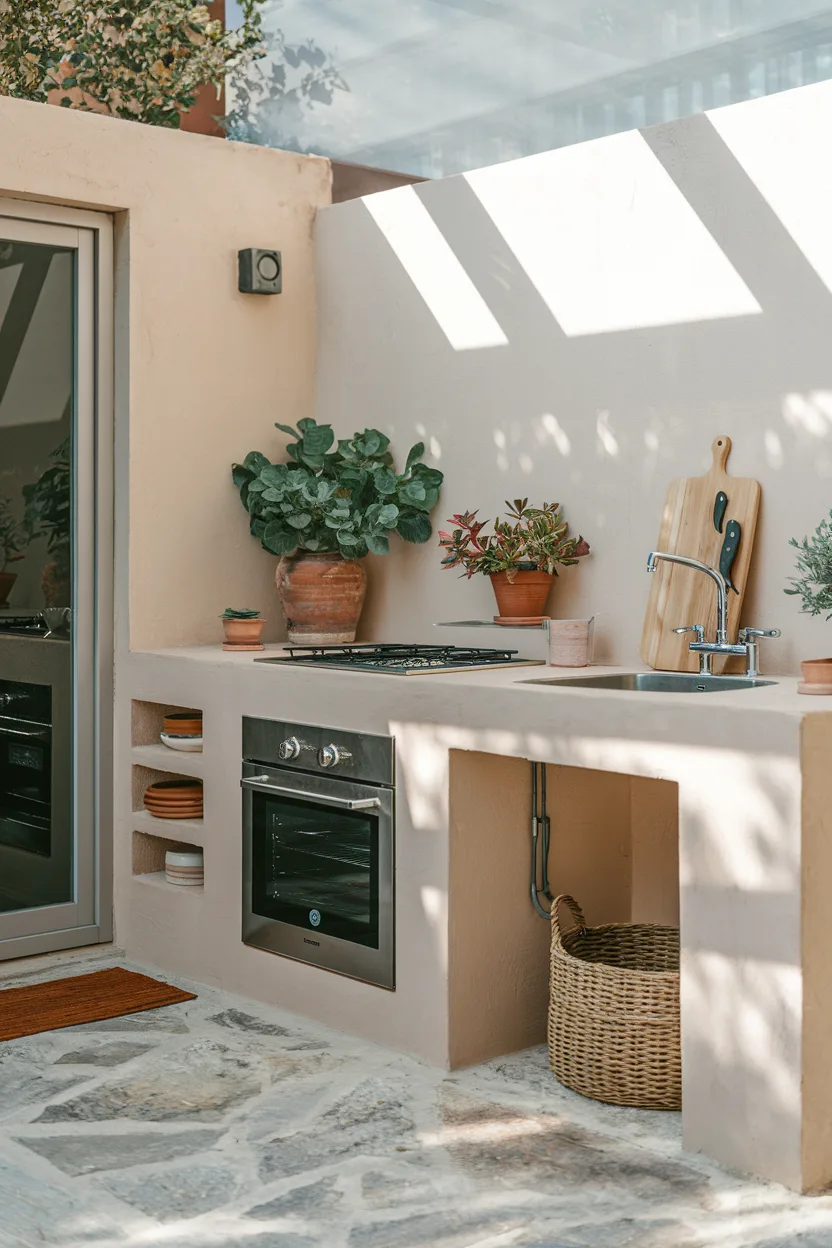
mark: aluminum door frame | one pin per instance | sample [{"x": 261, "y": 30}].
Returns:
[{"x": 88, "y": 919}]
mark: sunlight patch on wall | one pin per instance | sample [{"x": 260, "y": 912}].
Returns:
[
  {"x": 782, "y": 144},
  {"x": 550, "y": 426},
  {"x": 427, "y": 258},
  {"x": 608, "y": 239},
  {"x": 809, "y": 413}
]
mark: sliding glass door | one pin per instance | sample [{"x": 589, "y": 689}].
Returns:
[{"x": 51, "y": 429}]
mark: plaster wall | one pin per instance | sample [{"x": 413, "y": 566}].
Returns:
[
  {"x": 202, "y": 372},
  {"x": 577, "y": 327}
]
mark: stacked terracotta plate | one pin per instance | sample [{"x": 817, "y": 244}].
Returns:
[{"x": 174, "y": 799}]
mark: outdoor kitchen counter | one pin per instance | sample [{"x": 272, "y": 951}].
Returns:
[{"x": 754, "y": 797}]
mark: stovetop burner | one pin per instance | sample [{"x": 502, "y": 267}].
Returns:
[
  {"x": 401, "y": 660},
  {"x": 23, "y": 625}
]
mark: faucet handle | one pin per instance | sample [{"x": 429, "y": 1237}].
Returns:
[
  {"x": 699, "y": 629},
  {"x": 746, "y": 633}
]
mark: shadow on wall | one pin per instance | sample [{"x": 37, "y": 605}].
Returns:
[{"x": 577, "y": 327}]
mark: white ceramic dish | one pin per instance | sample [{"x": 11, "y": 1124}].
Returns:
[
  {"x": 185, "y": 868},
  {"x": 187, "y": 745}
]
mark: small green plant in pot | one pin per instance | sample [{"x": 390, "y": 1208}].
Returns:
[
  {"x": 813, "y": 585},
  {"x": 323, "y": 511},
  {"x": 48, "y": 514},
  {"x": 243, "y": 626},
  {"x": 13, "y": 543},
  {"x": 521, "y": 556}
]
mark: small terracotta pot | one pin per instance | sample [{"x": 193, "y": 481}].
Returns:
[
  {"x": 7, "y": 579},
  {"x": 817, "y": 671},
  {"x": 322, "y": 595},
  {"x": 526, "y": 595},
  {"x": 243, "y": 632}
]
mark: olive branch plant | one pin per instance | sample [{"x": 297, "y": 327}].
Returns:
[{"x": 813, "y": 584}]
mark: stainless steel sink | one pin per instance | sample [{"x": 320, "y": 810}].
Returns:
[{"x": 655, "y": 682}]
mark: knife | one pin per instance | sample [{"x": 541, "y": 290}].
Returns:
[
  {"x": 733, "y": 536},
  {"x": 720, "y": 504}
]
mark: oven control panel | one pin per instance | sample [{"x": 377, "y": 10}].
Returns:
[{"x": 310, "y": 748}]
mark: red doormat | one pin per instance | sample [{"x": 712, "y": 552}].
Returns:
[{"x": 82, "y": 999}]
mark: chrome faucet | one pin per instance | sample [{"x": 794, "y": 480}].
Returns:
[{"x": 747, "y": 644}]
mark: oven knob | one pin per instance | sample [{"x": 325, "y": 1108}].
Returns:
[
  {"x": 289, "y": 749},
  {"x": 332, "y": 755}
]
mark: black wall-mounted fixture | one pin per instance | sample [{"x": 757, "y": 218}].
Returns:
[{"x": 260, "y": 271}]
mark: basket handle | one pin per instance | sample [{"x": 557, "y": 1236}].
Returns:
[{"x": 573, "y": 908}]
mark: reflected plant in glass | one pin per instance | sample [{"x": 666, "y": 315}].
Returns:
[
  {"x": 48, "y": 514},
  {"x": 13, "y": 543}
]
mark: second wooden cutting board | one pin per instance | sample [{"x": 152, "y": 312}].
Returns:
[{"x": 680, "y": 595}]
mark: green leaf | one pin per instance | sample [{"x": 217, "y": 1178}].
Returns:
[
  {"x": 388, "y": 515},
  {"x": 317, "y": 439},
  {"x": 415, "y": 453},
  {"x": 378, "y": 544},
  {"x": 272, "y": 496},
  {"x": 256, "y": 487},
  {"x": 255, "y": 462},
  {"x": 414, "y": 526},
  {"x": 301, "y": 520},
  {"x": 385, "y": 481},
  {"x": 274, "y": 475},
  {"x": 293, "y": 433},
  {"x": 279, "y": 540},
  {"x": 241, "y": 475},
  {"x": 346, "y": 537},
  {"x": 412, "y": 492}
]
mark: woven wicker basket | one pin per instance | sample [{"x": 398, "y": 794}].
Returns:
[{"x": 614, "y": 1011}]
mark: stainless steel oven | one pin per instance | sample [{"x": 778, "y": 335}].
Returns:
[{"x": 319, "y": 847}]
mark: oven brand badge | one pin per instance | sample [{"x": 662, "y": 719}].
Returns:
[{"x": 315, "y": 918}]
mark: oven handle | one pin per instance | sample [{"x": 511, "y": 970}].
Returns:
[
  {"x": 260, "y": 783},
  {"x": 42, "y": 733}
]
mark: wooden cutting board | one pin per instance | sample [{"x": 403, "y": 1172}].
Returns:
[{"x": 680, "y": 595}]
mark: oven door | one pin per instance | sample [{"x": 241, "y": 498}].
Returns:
[
  {"x": 318, "y": 871},
  {"x": 25, "y": 785}
]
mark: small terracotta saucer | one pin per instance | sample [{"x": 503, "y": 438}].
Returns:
[
  {"x": 228, "y": 646},
  {"x": 806, "y": 686},
  {"x": 519, "y": 621}
]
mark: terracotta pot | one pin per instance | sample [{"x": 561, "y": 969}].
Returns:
[
  {"x": 817, "y": 671},
  {"x": 243, "y": 632},
  {"x": 7, "y": 579},
  {"x": 322, "y": 595},
  {"x": 525, "y": 596}
]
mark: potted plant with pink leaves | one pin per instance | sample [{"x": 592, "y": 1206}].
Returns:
[{"x": 521, "y": 557}]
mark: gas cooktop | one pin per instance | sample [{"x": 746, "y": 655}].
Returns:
[{"x": 400, "y": 660}]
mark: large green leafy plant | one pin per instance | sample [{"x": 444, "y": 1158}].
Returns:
[
  {"x": 47, "y": 510},
  {"x": 814, "y": 565},
  {"x": 343, "y": 497},
  {"x": 140, "y": 59},
  {"x": 13, "y": 537}
]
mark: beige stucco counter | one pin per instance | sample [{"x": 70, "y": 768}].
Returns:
[{"x": 712, "y": 807}]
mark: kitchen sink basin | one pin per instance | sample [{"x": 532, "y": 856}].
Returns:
[{"x": 655, "y": 682}]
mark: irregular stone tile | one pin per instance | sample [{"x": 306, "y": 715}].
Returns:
[
  {"x": 23, "y": 1084},
  {"x": 440, "y": 1229},
  {"x": 177, "y": 1193},
  {"x": 239, "y": 1021},
  {"x": 167, "y": 1018},
  {"x": 88, "y": 1154},
  {"x": 390, "y": 1188},
  {"x": 307, "y": 1201},
  {"x": 371, "y": 1120},
  {"x": 200, "y": 1083},
  {"x": 620, "y": 1233},
  {"x": 510, "y": 1147},
  {"x": 35, "y": 1212},
  {"x": 283, "y": 1109},
  {"x": 114, "y": 1054},
  {"x": 281, "y": 1065},
  {"x": 310, "y": 1045}
]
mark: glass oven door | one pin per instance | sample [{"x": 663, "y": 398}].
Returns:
[{"x": 318, "y": 879}]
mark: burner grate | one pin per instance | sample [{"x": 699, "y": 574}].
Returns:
[{"x": 391, "y": 657}]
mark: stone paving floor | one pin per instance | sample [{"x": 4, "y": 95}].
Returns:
[{"x": 224, "y": 1123}]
